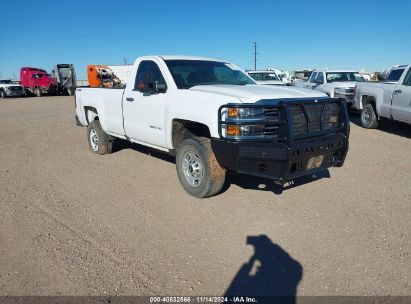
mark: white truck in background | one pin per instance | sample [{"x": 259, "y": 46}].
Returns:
[
  {"x": 121, "y": 71},
  {"x": 214, "y": 118},
  {"x": 9, "y": 88},
  {"x": 389, "y": 99},
  {"x": 334, "y": 83},
  {"x": 267, "y": 77}
]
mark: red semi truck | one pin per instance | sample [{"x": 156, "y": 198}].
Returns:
[{"x": 37, "y": 81}]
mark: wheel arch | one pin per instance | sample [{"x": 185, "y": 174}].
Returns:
[
  {"x": 91, "y": 114},
  {"x": 183, "y": 129},
  {"x": 367, "y": 99}
]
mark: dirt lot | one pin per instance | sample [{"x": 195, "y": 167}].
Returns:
[{"x": 73, "y": 223}]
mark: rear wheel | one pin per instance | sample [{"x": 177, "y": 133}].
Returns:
[
  {"x": 197, "y": 168},
  {"x": 99, "y": 142},
  {"x": 369, "y": 117}
]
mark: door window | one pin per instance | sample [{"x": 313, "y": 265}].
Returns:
[
  {"x": 394, "y": 75},
  {"x": 148, "y": 72},
  {"x": 313, "y": 75},
  {"x": 407, "y": 79},
  {"x": 320, "y": 77}
]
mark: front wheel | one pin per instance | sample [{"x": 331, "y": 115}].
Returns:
[
  {"x": 38, "y": 92},
  {"x": 369, "y": 117},
  {"x": 2, "y": 94},
  {"x": 197, "y": 168}
]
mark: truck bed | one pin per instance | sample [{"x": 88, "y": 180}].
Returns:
[{"x": 108, "y": 101}]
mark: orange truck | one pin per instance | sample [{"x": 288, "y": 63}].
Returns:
[{"x": 101, "y": 76}]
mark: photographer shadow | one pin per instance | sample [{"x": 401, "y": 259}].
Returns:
[{"x": 270, "y": 271}]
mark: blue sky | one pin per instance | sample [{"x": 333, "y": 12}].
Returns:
[{"x": 371, "y": 35}]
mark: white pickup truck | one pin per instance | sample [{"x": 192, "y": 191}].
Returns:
[
  {"x": 214, "y": 118},
  {"x": 267, "y": 77},
  {"x": 389, "y": 99},
  {"x": 334, "y": 83},
  {"x": 8, "y": 88}
]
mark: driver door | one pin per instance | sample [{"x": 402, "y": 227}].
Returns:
[
  {"x": 144, "y": 113},
  {"x": 401, "y": 100}
]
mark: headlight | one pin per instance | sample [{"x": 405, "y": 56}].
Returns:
[
  {"x": 249, "y": 122},
  {"x": 339, "y": 90},
  {"x": 344, "y": 91},
  {"x": 244, "y": 112},
  {"x": 244, "y": 130}
]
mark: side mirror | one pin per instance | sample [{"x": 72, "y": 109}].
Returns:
[
  {"x": 317, "y": 81},
  {"x": 151, "y": 87}
]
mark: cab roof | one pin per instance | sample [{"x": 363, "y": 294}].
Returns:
[
  {"x": 335, "y": 71},
  {"x": 184, "y": 57}
]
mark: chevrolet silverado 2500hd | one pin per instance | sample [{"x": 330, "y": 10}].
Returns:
[
  {"x": 389, "y": 99},
  {"x": 8, "y": 88},
  {"x": 214, "y": 118},
  {"x": 334, "y": 83}
]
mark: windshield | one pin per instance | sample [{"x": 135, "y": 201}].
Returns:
[
  {"x": 190, "y": 73},
  {"x": 302, "y": 75},
  {"x": 344, "y": 76},
  {"x": 264, "y": 76},
  {"x": 39, "y": 75}
]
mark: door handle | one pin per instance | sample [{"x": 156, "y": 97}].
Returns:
[
  {"x": 397, "y": 91},
  {"x": 130, "y": 99}
]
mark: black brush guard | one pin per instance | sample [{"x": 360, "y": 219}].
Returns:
[{"x": 287, "y": 156}]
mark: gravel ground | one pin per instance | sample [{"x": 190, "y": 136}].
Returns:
[{"x": 73, "y": 223}]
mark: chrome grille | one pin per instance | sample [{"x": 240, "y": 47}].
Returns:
[
  {"x": 16, "y": 88},
  {"x": 270, "y": 130},
  {"x": 271, "y": 111}
]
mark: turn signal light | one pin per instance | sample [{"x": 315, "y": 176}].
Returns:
[
  {"x": 232, "y": 112},
  {"x": 233, "y": 130}
]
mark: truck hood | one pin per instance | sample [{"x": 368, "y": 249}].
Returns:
[
  {"x": 253, "y": 93},
  {"x": 6, "y": 85},
  {"x": 272, "y": 82}
]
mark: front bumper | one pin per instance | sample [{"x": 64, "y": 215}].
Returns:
[{"x": 282, "y": 161}]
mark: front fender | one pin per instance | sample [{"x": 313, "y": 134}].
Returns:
[{"x": 199, "y": 107}]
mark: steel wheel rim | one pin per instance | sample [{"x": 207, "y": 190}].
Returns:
[
  {"x": 94, "y": 140},
  {"x": 193, "y": 168},
  {"x": 366, "y": 115}
]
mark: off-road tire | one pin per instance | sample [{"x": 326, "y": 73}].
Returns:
[
  {"x": 212, "y": 174},
  {"x": 369, "y": 118},
  {"x": 104, "y": 143},
  {"x": 2, "y": 94}
]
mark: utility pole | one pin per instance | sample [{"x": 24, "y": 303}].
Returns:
[
  {"x": 125, "y": 60},
  {"x": 255, "y": 55}
]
